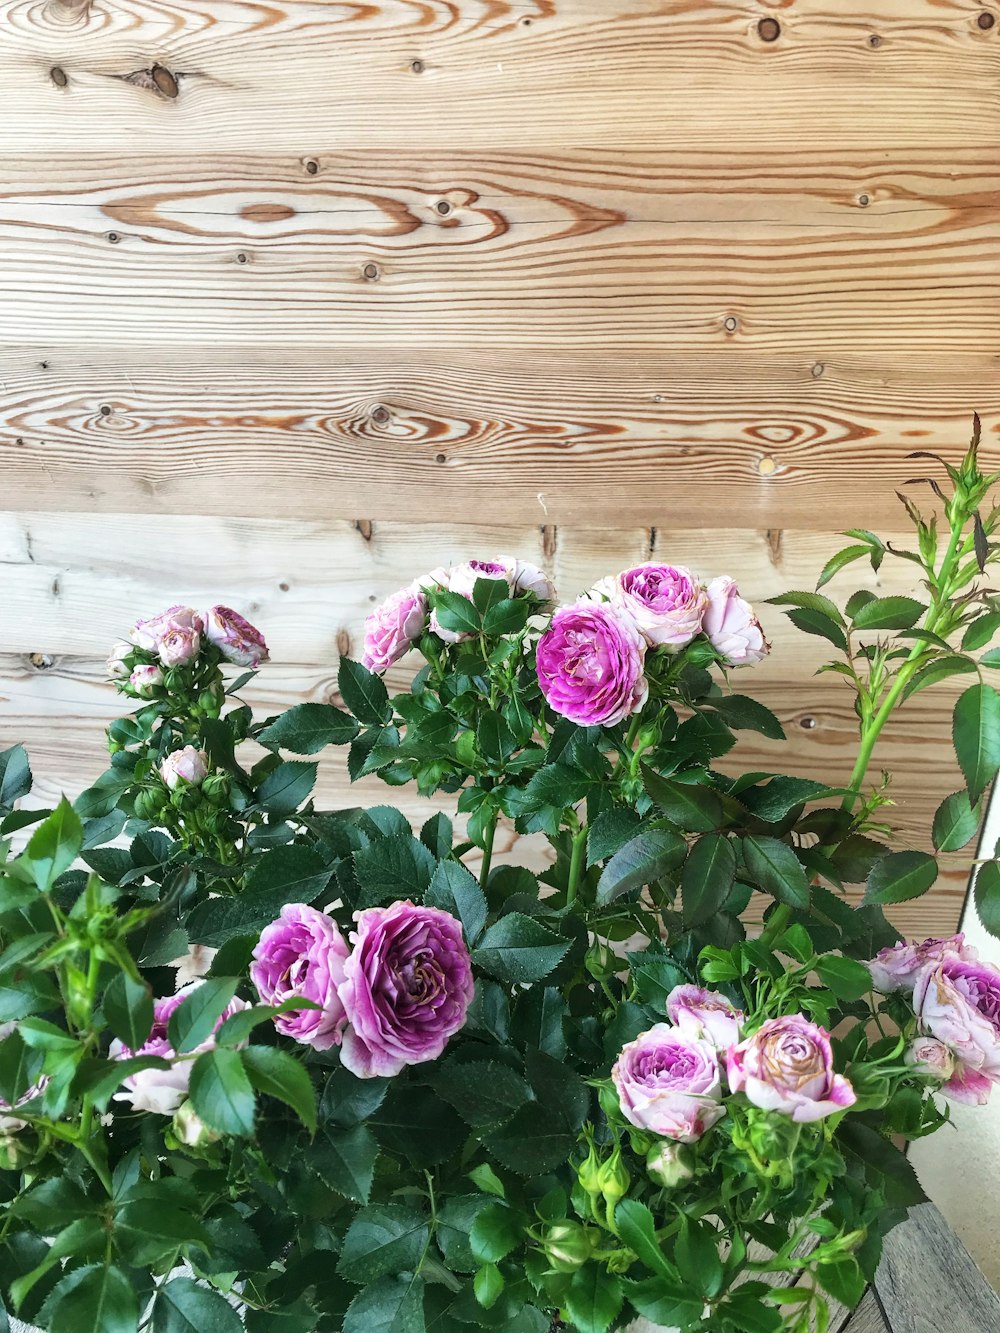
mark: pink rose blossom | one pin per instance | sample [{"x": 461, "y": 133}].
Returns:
[
  {"x": 393, "y": 628},
  {"x": 669, "y": 1083},
  {"x": 666, "y": 602},
  {"x": 705, "y": 1013},
  {"x": 787, "y": 1066},
  {"x": 590, "y": 664},
  {"x": 179, "y": 645},
  {"x": 732, "y": 627},
  {"x": 957, "y": 1000},
  {"x": 927, "y": 1055},
  {"x": 407, "y": 987},
  {"x": 162, "y": 1090},
  {"x": 147, "y": 634},
  {"x": 302, "y": 954},
  {"x": 440, "y": 577},
  {"x": 237, "y": 640},
  {"x": 188, "y": 765},
  {"x": 529, "y": 578},
  {"x": 116, "y": 668},
  {"x": 463, "y": 579},
  {"x": 897, "y": 968},
  {"x": 145, "y": 680}
]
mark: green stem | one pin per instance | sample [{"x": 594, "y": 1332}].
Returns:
[
  {"x": 488, "y": 836},
  {"x": 576, "y": 863}
]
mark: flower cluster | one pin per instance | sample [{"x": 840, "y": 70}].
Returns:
[
  {"x": 956, "y": 999},
  {"x": 391, "y": 999},
  {"x": 175, "y": 638},
  {"x": 671, "y": 1080}
]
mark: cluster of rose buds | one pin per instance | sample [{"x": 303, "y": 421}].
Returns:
[{"x": 176, "y": 638}]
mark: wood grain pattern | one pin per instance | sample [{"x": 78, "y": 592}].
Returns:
[{"x": 867, "y": 1318}]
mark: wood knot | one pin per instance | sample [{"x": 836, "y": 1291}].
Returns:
[
  {"x": 766, "y": 466},
  {"x": 163, "y": 81},
  {"x": 364, "y": 526},
  {"x": 769, "y": 30},
  {"x": 985, "y": 21},
  {"x": 808, "y": 723},
  {"x": 417, "y": 66},
  {"x": 549, "y": 539},
  {"x": 58, "y": 76},
  {"x": 730, "y": 323},
  {"x": 380, "y": 415},
  {"x": 443, "y": 207},
  {"x": 371, "y": 272},
  {"x": 874, "y": 41},
  {"x": 343, "y": 643},
  {"x": 42, "y": 661},
  {"x": 817, "y": 370},
  {"x": 311, "y": 166}
]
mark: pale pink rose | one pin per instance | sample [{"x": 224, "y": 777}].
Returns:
[
  {"x": 958, "y": 1001},
  {"x": 529, "y": 578},
  {"x": 927, "y": 1055},
  {"x": 393, "y": 628},
  {"x": 116, "y": 668},
  {"x": 145, "y": 680},
  {"x": 147, "y": 633},
  {"x": 666, "y": 602},
  {"x": 189, "y": 765},
  {"x": 705, "y": 1013},
  {"x": 463, "y": 579},
  {"x": 731, "y": 625},
  {"x": 787, "y": 1066},
  {"x": 669, "y": 1083},
  {"x": 178, "y": 645},
  {"x": 436, "y": 578},
  {"x": 239, "y": 642},
  {"x": 898, "y": 967}
]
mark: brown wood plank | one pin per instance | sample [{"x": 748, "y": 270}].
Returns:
[
  {"x": 867, "y": 1318},
  {"x": 928, "y": 1281},
  {"x": 300, "y": 75},
  {"x": 731, "y": 437}
]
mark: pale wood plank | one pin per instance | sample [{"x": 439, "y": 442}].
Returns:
[{"x": 867, "y": 1318}]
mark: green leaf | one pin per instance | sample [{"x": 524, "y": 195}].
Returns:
[
  {"x": 664, "y": 1303},
  {"x": 363, "y": 692},
  {"x": 348, "y": 1100},
  {"x": 15, "y": 776},
  {"x": 385, "y": 1238},
  {"x": 987, "y": 896},
  {"x": 128, "y": 1009},
  {"x": 642, "y": 861},
  {"x": 707, "y": 877},
  {"x": 889, "y": 613},
  {"x": 456, "y": 613},
  {"x": 91, "y": 1298},
  {"x": 286, "y": 787},
  {"x": 692, "y": 806},
  {"x": 455, "y": 889},
  {"x": 814, "y": 622},
  {"x": 956, "y": 822},
  {"x": 238, "y": 1026},
  {"x": 519, "y": 949},
  {"x": 843, "y": 1279},
  {"x": 637, "y": 1228},
  {"x": 483, "y": 1092},
  {"x": 976, "y": 733},
  {"x": 594, "y": 1299},
  {"x": 495, "y": 738},
  {"x": 54, "y": 846},
  {"x": 221, "y": 1092},
  {"x": 506, "y": 617},
  {"x": 745, "y": 714},
  {"x": 849, "y": 980},
  {"x": 609, "y": 832},
  {"x": 900, "y": 876},
  {"x": 940, "y": 668},
  {"x": 696, "y": 1251},
  {"x": 148, "y": 1231},
  {"x": 345, "y": 1160},
  {"x": 186, "y": 1306},
  {"x": 194, "y": 1019},
  {"x": 886, "y": 1169},
  {"x": 391, "y": 868},
  {"x": 390, "y": 1305},
  {"x": 308, "y": 728},
  {"x": 496, "y": 1231},
  {"x": 837, "y": 562},
  {"x": 810, "y": 601},
  {"x": 282, "y": 875},
  {"x": 982, "y": 629},
  {"x": 777, "y": 870},
  {"x": 100, "y": 799},
  {"x": 278, "y": 1074},
  {"x": 779, "y": 797},
  {"x": 990, "y": 658},
  {"x": 487, "y": 1179}
]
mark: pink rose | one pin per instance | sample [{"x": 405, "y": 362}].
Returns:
[
  {"x": 437, "y": 578},
  {"x": 529, "y": 578},
  {"x": 393, "y": 628},
  {"x": 590, "y": 664},
  {"x": 732, "y": 627},
  {"x": 957, "y": 1000},
  {"x": 897, "y": 968},
  {"x": 145, "y": 680},
  {"x": 407, "y": 987},
  {"x": 148, "y": 633},
  {"x": 927, "y": 1055},
  {"x": 666, "y": 602},
  {"x": 787, "y": 1066},
  {"x": 178, "y": 645},
  {"x": 463, "y": 579},
  {"x": 189, "y": 765},
  {"x": 705, "y": 1013},
  {"x": 302, "y": 954},
  {"x": 162, "y": 1090},
  {"x": 116, "y": 668},
  {"x": 669, "y": 1083},
  {"x": 237, "y": 640}
]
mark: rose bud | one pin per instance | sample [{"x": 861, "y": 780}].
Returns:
[
  {"x": 146, "y": 680},
  {"x": 237, "y": 640},
  {"x": 705, "y": 1013},
  {"x": 590, "y": 664},
  {"x": 666, "y": 602},
  {"x": 529, "y": 578},
  {"x": 463, "y": 579},
  {"x": 116, "y": 664},
  {"x": 393, "y": 628},
  {"x": 187, "y": 766},
  {"x": 669, "y": 1083},
  {"x": 669, "y": 1164},
  {"x": 568, "y": 1245},
  {"x": 732, "y": 627},
  {"x": 787, "y": 1066},
  {"x": 927, "y": 1055},
  {"x": 189, "y": 1128}
]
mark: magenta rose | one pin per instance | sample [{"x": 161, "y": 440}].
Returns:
[
  {"x": 957, "y": 1000},
  {"x": 787, "y": 1066},
  {"x": 407, "y": 985},
  {"x": 590, "y": 664},
  {"x": 705, "y": 1013},
  {"x": 898, "y": 967},
  {"x": 393, "y": 628},
  {"x": 188, "y": 765},
  {"x": 163, "y": 1090},
  {"x": 302, "y": 954},
  {"x": 666, "y": 602},
  {"x": 669, "y": 1083},
  {"x": 731, "y": 625},
  {"x": 237, "y": 640}
]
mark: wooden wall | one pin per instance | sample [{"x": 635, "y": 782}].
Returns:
[{"x": 299, "y": 297}]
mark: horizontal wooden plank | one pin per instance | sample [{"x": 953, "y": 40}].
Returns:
[
  {"x": 59, "y": 705},
  {"x": 671, "y": 253},
  {"x": 597, "y": 438},
  {"x": 343, "y": 74}
]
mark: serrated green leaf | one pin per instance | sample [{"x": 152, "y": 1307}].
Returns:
[
  {"x": 363, "y": 692},
  {"x": 456, "y": 613},
  {"x": 128, "y": 1009},
  {"x": 186, "y": 1306},
  {"x": 519, "y": 949},
  {"x": 286, "y": 787},
  {"x": 454, "y": 889},
  {"x": 707, "y": 878},
  {"x": 980, "y": 631},
  {"x": 278, "y": 1074},
  {"x": 221, "y": 1092},
  {"x": 777, "y": 870},
  {"x": 54, "y": 846},
  {"x": 839, "y": 561},
  {"x": 485, "y": 1093},
  {"x": 309, "y": 728},
  {"x": 900, "y": 876},
  {"x": 976, "y": 734},
  {"x": 889, "y": 613},
  {"x": 194, "y": 1019},
  {"x": 743, "y": 713},
  {"x": 345, "y": 1160},
  {"x": 385, "y": 1238},
  {"x": 814, "y": 622},
  {"x": 643, "y": 860},
  {"x": 810, "y": 601},
  {"x": 96, "y": 1296},
  {"x": 956, "y": 822},
  {"x": 987, "y": 896},
  {"x": 692, "y": 806}
]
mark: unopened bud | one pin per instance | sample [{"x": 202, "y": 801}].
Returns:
[
  {"x": 568, "y": 1245},
  {"x": 613, "y": 1180},
  {"x": 216, "y": 788},
  {"x": 669, "y": 1164},
  {"x": 189, "y": 1128}
]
